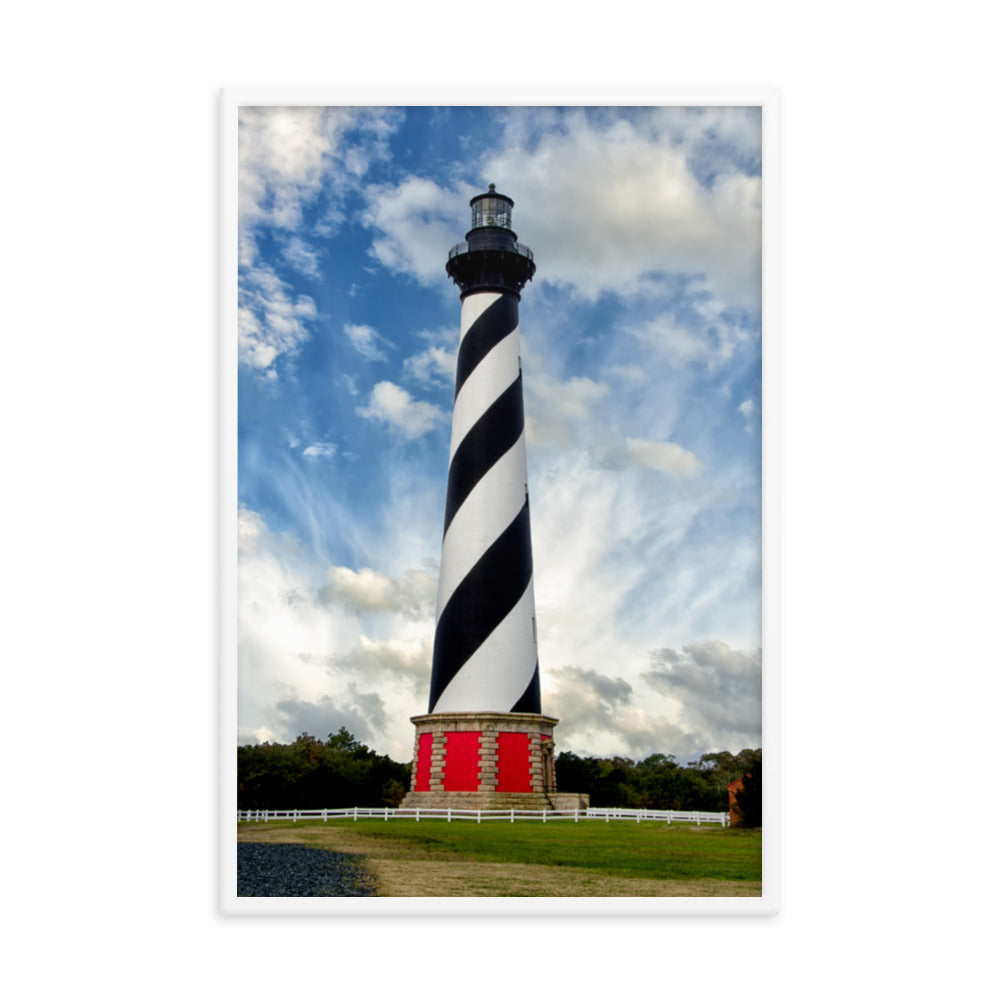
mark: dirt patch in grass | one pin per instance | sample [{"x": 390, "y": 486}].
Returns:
[
  {"x": 481, "y": 878},
  {"x": 410, "y": 870}
]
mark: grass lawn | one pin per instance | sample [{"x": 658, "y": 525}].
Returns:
[
  {"x": 536, "y": 858},
  {"x": 649, "y": 850}
]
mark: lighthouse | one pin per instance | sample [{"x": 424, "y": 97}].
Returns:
[{"x": 484, "y": 742}]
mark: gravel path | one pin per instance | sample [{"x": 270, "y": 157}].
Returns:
[{"x": 294, "y": 870}]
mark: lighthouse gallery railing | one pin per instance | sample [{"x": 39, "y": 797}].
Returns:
[{"x": 486, "y": 243}]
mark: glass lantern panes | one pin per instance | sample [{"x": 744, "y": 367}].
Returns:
[{"x": 491, "y": 212}]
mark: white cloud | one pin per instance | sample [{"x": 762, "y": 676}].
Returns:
[
  {"x": 554, "y": 409},
  {"x": 289, "y": 156},
  {"x": 680, "y": 344},
  {"x": 271, "y": 322},
  {"x": 321, "y": 449},
  {"x": 587, "y": 527},
  {"x": 562, "y": 414},
  {"x": 365, "y": 340},
  {"x": 709, "y": 338},
  {"x": 367, "y": 590},
  {"x": 606, "y": 594},
  {"x": 250, "y": 527},
  {"x": 718, "y": 689},
  {"x": 395, "y": 407},
  {"x": 364, "y": 716},
  {"x": 715, "y": 140},
  {"x": 604, "y": 202},
  {"x": 434, "y": 366},
  {"x": 289, "y": 159},
  {"x": 586, "y": 700},
  {"x": 628, "y": 203},
  {"x": 399, "y": 664},
  {"x": 622, "y": 564},
  {"x": 407, "y": 659},
  {"x": 417, "y": 222},
  {"x": 303, "y": 663},
  {"x": 597, "y": 716},
  {"x": 705, "y": 699},
  {"x": 661, "y": 456},
  {"x": 301, "y": 256},
  {"x": 278, "y": 620},
  {"x": 283, "y": 155}
]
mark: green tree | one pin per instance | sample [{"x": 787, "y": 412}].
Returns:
[
  {"x": 657, "y": 782},
  {"x": 343, "y": 740},
  {"x": 310, "y": 774}
]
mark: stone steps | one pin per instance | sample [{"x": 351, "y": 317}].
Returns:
[{"x": 476, "y": 800}]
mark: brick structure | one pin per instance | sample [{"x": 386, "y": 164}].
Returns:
[{"x": 485, "y": 760}]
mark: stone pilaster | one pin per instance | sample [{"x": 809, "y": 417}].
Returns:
[
  {"x": 488, "y": 761},
  {"x": 437, "y": 761}
]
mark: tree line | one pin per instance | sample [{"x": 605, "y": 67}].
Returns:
[
  {"x": 312, "y": 774},
  {"x": 660, "y": 782},
  {"x": 342, "y": 772}
]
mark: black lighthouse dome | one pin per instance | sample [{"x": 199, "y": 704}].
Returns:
[{"x": 491, "y": 259}]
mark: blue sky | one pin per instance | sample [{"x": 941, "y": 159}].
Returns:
[{"x": 641, "y": 339}]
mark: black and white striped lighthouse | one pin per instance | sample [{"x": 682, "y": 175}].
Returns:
[
  {"x": 485, "y": 650},
  {"x": 484, "y": 741}
]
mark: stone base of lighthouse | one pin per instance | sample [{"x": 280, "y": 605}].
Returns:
[{"x": 486, "y": 760}]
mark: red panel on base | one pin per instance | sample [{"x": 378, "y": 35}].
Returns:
[
  {"x": 423, "y": 783},
  {"x": 461, "y": 762},
  {"x": 513, "y": 762}
]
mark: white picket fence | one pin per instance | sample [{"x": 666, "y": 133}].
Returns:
[{"x": 479, "y": 815}]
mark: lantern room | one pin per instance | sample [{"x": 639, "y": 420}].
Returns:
[{"x": 491, "y": 209}]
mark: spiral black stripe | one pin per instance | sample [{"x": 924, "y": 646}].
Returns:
[
  {"x": 481, "y": 602},
  {"x": 495, "y": 323},
  {"x": 531, "y": 700},
  {"x": 489, "y": 438}
]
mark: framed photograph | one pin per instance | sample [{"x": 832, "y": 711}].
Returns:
[{"x": 499, "y": 502}]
